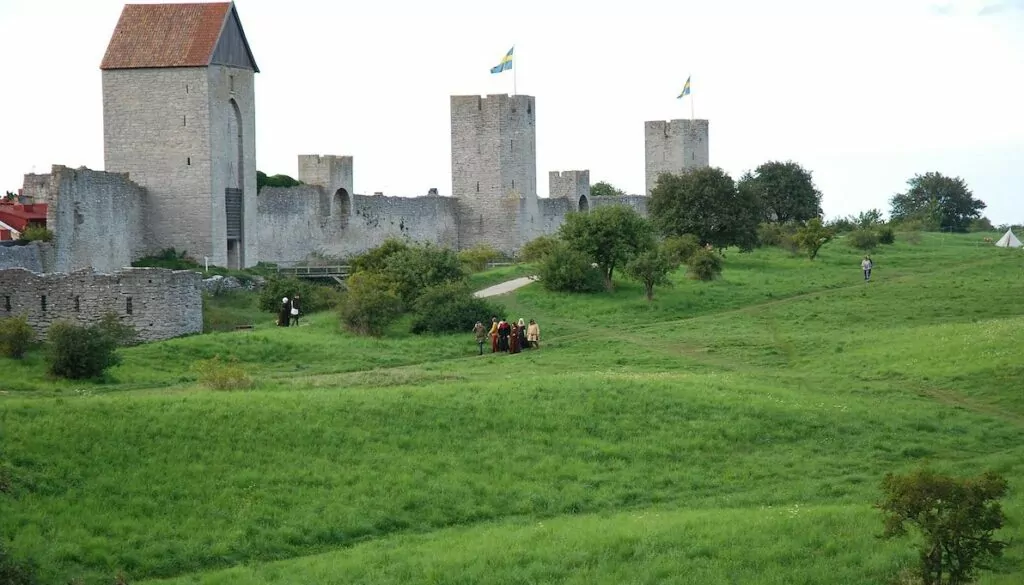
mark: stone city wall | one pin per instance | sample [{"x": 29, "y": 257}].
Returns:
[
  {"x": 34, "y": 256},
  {"x": 159, "y": 303}
]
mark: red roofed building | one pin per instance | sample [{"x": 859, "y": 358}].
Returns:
[
  {"x": 179, "y": 119},
  {"x": 16, "y": 217}
]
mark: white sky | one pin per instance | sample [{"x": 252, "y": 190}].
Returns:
[{"x": 864, "y": 94}]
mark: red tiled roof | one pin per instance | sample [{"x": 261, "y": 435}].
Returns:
[
  {"x": 19, "y": 216},
  {"x": 166, "y": 35}
]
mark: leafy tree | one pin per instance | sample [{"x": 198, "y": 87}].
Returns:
[
  {"x": 956, "y": 518},
  {"x": 477, "y": 257},
  {"x": 868, "y": 219},
  {"x": 451, "y": 308},
  {"x": 785, "y": 190},
  {"x": 262, "y": 180},
  {"x": 35, "y": 233},
  {"x": 376, "y": 258},
  {"x": 982, "y": 224},
  {"x": 412, "y": 271},
  {"x": 370, "y": 304},
  {"x": 538, "y": 248},
  {"x": 651, "y": 267},
  {"x": 16, "y": 336},
  {"x": 605, "y": 189},
  {"x": 862, "y": 239},
  {"x": 610, "y": 236},
  {"x": 705, "y": 202},
  {"x": 10, "y": 196},
  {"x": 680, "y": 248},
  {"x": 938, "y": 200},
  {"x": 812, "y": 236},
  {"x": 567, "y": 270}
]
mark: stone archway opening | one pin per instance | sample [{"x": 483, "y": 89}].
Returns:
[
  {"x": 584, "y": 205},
  {"x": 342, "y": 206},
  {"x": 234, "y": 192}
]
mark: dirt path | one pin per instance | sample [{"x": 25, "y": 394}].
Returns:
[{"x": 504, "y": 287}]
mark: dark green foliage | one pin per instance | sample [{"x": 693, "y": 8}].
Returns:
[
  {"x": 36, "y": 234},
  {"x": 477, "y": 257},
  {"x": 609, "y": 236},
  {"x": 605, "y": 189},
  {"x": 168, "y": 258},
  {"x": 313, "y": 297},
  {"x": 9, "y": 196},
  {"x": 886, "y": 236},
  {"x": 785, "y": 192},
  {"x": 451, "y": 308},
  {"x": 811, "y": 237},
  {"x": 705, "y": 265},
  {"x": 16, "y": 572},
  {"x": 680, "y": 248},
  {"x": 982, "y": 224},
  {"x": 567, "y": 270},
  {"x": 370, "y": 304},
  {"x": 706, "y": 203},
  {"x": 862, "y": 239},
  {"x": 942, "y": 202},
  {"x": 651, "y": 267},
  {"x": 411, "y": 271},
  {"x": 16, "y": 336},
  {"x": 262, "y": 180},
  {"x": 80, "y": 352},
  {"x": 779, "y": 235},
  {"x": 376, "y": 258},
  {"x": 956, "y": 519},
  {"x": 537, "y": 248}
]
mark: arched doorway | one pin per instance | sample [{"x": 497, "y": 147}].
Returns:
[
  {"x": 234, "y": 200},
  {"x": 584, "y": 205},
  {"x": 342, "y": 207}
]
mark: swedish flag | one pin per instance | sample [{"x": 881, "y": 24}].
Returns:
[
  {"x": 506, "y": 63},
  {"x": 686, "y": 89}
]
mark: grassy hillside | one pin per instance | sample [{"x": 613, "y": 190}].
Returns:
[{"x": 731, "y": 432}]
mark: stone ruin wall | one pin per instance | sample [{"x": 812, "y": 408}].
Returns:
[
  {"x": 295, "y": 222},
  {"x": 159, "y": 303},
  {"x": 637, "y": 202},
  {"x": 34, "y": 256},
  {"x": 97, "y": 219}
]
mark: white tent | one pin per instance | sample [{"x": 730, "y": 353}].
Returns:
[{"x": 1009, "y": 240}]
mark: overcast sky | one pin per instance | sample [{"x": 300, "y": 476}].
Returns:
[{"x": 864, "y": 94}]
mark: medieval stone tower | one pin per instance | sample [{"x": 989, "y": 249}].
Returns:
[
  {"x": 674, "y": 147},
  {"x": 494, "y": 170},
  {"x": 179, "y": 118}
]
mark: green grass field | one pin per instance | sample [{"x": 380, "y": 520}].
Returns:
[{"x": 728, "y": 432}]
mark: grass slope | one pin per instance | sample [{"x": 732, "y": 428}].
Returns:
[{"x": 728, "y": 432}]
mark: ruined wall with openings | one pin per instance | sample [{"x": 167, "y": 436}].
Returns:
[{"x": 159, "y": 303}]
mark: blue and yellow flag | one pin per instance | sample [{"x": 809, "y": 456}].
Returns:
[
  {"x": 686, "y": 89},
  {"x": 505, "y": 64}
]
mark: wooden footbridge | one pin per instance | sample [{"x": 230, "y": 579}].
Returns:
[{"x": 336, "y": 273}]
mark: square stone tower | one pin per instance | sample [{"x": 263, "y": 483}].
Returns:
[
  {"x": 494, "y": 170},
  {"x": 571, "y": 185},
  {"x": 674, "y": 147},
  {"x": 179, "y": 118}
]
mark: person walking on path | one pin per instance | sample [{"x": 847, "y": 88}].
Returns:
[
  {"x": 866, "y": 264},
  {"x": 296, "y": 309},
  {"x": 283, "y": 313},
  {"x": 481, "y": 335}
]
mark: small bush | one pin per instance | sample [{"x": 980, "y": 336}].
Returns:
[
  {"x": 862, "y": 239},
  {"x": 912, "y": 237},
  {"x": 477, "y": 257},
  {"x": 451, "y": 308},
  {"x": 370, "y": 304},
  {"x": 679, "y": 249},
  {"x": 886, "y": 236},
  {"x": 376, "y": 258},
  {"x": 538, "y": 248},
  {"x": 79, "y": 352},
  {"x": 568, "y": 270},
  {"x": 223, "y": 375},
  {"x": 16, "y": 336},
  {"x": 36, "y": 234},
  {"x": 705, "y": 265},
  {"x": 168, "y": 258}
]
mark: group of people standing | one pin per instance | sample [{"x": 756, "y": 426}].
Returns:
[
  {"x": 508, "y": 336},
  {"x": 288, "y": 312}
]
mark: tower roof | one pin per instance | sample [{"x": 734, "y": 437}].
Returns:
[{"x": 176, "y": 35}]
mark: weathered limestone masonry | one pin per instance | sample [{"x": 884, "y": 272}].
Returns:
[
  {"x": 568, "y": 191},
  {"x": 159, "y": 303},
  {"x": 674, "y": 147},
  {"x": 295, "y": 222},
  {"x": 179, "y": 118},
  {"x": 494, "y": 170},
  {"x": 637, "y": 202},
  {"x": 98, "y": 219},
  {"x": 32, "y": 256}
]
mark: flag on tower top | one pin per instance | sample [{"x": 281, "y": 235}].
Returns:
[
  {"x": 506, "y": 63},
  {"x": 686, "y": 89}
]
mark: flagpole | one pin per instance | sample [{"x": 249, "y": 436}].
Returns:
[
  {"x": 691, "y": 100},
  {"x": 514, "y": 71}
]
